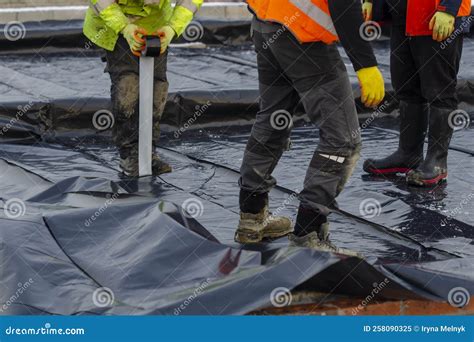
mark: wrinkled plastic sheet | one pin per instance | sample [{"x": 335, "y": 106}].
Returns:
[{"x": 85, "y": 228}]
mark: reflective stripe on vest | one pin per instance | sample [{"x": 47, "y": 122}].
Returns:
[
  {"x": 308, "y": 20},
  {"x": 316, "y": 14},
  {"x": 189, "y": 4},
  {"x": 102, "y": 5}
]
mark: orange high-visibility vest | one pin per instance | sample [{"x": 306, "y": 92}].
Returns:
[{"x": 308, "y": 20}]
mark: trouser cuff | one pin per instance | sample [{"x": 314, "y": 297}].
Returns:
[
  {"x": 252, "y": 202},
  {"x": 308, "y": 220}
]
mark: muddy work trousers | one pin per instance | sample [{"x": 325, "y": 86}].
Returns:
[
  {"x": 123, "y": 68},
  {"x": 314, "y": 73}
]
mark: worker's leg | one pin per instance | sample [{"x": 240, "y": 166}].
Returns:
[
  {"x": 123, "y": 69},
  {"x": 413, "y": 109},
  {"x": 438, "y": 66},
  {"x": 270, "y": 137},
  {"x": 319, "y": 75},
  {"x": 160, "y": 95}
]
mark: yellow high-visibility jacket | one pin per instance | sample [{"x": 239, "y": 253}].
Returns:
[{"x": 105, "y": 19}]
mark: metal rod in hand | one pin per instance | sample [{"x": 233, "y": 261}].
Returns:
[{"x": 145, "y": 131}]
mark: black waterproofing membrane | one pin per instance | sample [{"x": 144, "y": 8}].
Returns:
[{"x": 78, "y": 238}]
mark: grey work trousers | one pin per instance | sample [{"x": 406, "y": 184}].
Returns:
[{"x": 313, "y": 73}]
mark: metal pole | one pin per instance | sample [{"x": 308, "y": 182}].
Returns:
[{"x": 145, "y": 134}]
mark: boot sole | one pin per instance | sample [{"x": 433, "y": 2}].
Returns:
[
  {"x": 389, "y": 171},
  {"x": 427, "y": 182},
  {"x": 245, "y": 236}
]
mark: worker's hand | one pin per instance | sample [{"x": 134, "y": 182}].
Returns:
[
  {"x": 166, "y": 34},
  {"x": 367, "y": 8},
  {"x": 372, "y": 86},
  {"x": 134, "y": 36},
  {"x": 442, "y": 25}
]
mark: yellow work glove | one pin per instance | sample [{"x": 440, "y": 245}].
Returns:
[
  {"x": 166, "y": 34},
  {"x": 372, "y": 86},
  {"x": 134, "y": 36},
  {"x": 442, "y": 25},
  {"x": 367, "y": 8}
]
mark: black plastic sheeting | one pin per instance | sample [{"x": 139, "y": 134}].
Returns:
[
  {"x": 85, "y": 228},
  {"x": 81, "y": 227}
]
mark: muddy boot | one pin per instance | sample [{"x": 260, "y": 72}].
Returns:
[
  {"x": 129, "y": 163},
  {"x": 256, "y": 222},
  {"x": 159, "y": 166},
  {"x": 312, "y": 231},
  {"x": 409, "y": 155},
  {"x": 434, "y": 169}
]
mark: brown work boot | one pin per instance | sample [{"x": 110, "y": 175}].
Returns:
[
  {"x": 313, "y": 241},
  {"x": 129, "y": 165},
  {"x": 159, "y": 166},
  {"x": 312, "y": 231},
  {"x": 253, "y": 228}
]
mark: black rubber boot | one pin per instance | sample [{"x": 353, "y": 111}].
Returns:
[
  {"x": 434, "y": 169},
  {"x": 409, "y": 155}
]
